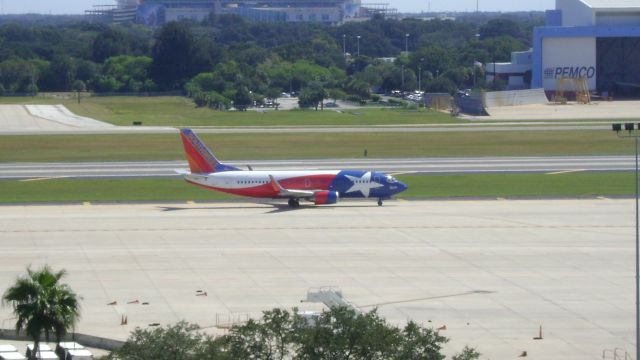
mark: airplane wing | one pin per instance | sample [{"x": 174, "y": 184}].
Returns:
[{"x": 282, "y": 192}]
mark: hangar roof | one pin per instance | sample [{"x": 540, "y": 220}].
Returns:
[{"x": 613, "y": 4}]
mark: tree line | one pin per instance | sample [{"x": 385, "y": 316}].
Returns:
[
  {"x": 43, "y": 305},
  {"x": 338, "y": 333},
  {"x": 226, "y": 60}
]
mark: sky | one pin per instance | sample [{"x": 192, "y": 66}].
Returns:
[{"x": 78, "y": 6}]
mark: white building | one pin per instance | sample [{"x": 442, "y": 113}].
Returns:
[{"x": 516, "y": 74}]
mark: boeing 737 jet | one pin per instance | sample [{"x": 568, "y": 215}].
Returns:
[{"x": 321, "y": 187}]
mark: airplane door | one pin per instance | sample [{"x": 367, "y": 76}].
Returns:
[{"x": 307, "y": 183}]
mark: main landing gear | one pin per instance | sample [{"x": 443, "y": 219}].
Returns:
[
  {"x": 294, "y": 203},
  {"x": 379, "y": 202}
]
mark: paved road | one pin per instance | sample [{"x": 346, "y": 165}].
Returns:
[
  {"x": 417, "y": 165},
  {"x": 428, "y": 128},
  {"x": 466, "y": 127}
]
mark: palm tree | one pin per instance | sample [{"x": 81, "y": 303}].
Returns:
[{"x": 42, "y": 304}]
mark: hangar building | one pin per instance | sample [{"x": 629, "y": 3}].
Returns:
[{"x": 594, "y": 39}]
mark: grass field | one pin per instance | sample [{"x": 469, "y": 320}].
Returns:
[
  {"x": 181, "y": 111},
  {"x": 437, "y": 186},
  {"x": 60, "y": 148}
]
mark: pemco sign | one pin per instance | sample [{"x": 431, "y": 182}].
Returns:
[
  {"x": 570, "y": 57},
  {"x": 588, "y": 72}
]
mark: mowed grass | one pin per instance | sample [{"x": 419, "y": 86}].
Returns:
[
  {"x": 420, "y": 187},
  {"x": 181, "y": 111},
  {"x": 520, "y": 185},
  {"x": 61, "y": 148}
]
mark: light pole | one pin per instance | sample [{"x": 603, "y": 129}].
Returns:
[
  {"x": 406, "y": 43},
  {"x": 344, "y": 45},
  {"x": 420, "y": 75},
  {"x": 358, "y": 41},
  {"x": 629, "y": 127},
  {"x": 403, "y": 80}
]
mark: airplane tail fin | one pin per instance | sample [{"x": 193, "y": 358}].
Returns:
[{"x": 201, "y": 159}]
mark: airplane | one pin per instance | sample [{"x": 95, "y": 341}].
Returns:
[{"x": 322, "y": 187}]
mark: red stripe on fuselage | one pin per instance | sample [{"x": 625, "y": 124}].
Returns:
[
  {"x": 311, "y": 182},
  {"x": 261, "y": 191}
]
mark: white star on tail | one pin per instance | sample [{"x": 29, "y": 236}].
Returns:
[{"x": 363, "y": 184}]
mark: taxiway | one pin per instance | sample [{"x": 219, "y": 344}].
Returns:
[
  {"x": 458, "y": 165},
  {"x": 493, "y": 272}
]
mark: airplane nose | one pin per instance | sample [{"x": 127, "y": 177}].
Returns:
[{"x": 402, "y": 187}]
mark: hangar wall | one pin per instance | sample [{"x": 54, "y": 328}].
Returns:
[{"x": 568, "y": 57}]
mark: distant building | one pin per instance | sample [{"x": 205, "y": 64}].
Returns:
[
  {"x": 516, "y": 74},
  {"x": 158, "y": 12}
]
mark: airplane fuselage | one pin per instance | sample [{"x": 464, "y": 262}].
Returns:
[{"x": 347, "y": 183}]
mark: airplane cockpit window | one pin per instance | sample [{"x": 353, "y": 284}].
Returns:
[{"x": 391, "y": 179}]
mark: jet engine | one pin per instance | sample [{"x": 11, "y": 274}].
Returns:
[{"x": 325, "y": 197}]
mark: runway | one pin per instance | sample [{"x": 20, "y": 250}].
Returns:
[
  {"x": 491, "y": 271},
  {"x": 413, "y": 165}
]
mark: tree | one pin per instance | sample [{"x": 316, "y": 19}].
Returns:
[
  {"x": 500, "y": 27},
  {"x": 467, "y": 354},
  {"x": 42, "y": 304},
  {"x": 181, "y": 341},
  {"x": 108, "y": 43},
  {"x": 60, "y": 75},
  {"x": 17, "y": 75},
  {"x": 343, "y": 333},
  {"x": 130, "y": 72},
  {"x": 312, "y": 96},
  {"x": 174, "y": 56},
  {"x": 336, "y": 94},
  {"x": 217, "y": 101},
  {"x": 434, "y": 59},
  {"x": 339, "y": 333},
  {"x": 420, "y": 343},
  {"x": 441, "y": 85},
  {"x": 242, "y": 99},
  {"x": 272, "y": 94}
]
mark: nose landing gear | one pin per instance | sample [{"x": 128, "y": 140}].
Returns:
[{"x": 379, "y": 202}]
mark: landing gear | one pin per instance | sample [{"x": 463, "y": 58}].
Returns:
[
  {"x": 294, "y": 203},
  {"x": 379, "y": 202}
]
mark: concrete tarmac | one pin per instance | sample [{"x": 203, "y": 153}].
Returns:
[{"x": 492, "y": 272}]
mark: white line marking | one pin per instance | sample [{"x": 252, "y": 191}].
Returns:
[
  {"x": 44, "y": 178},
  {"x": 565, "y": 172}
]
